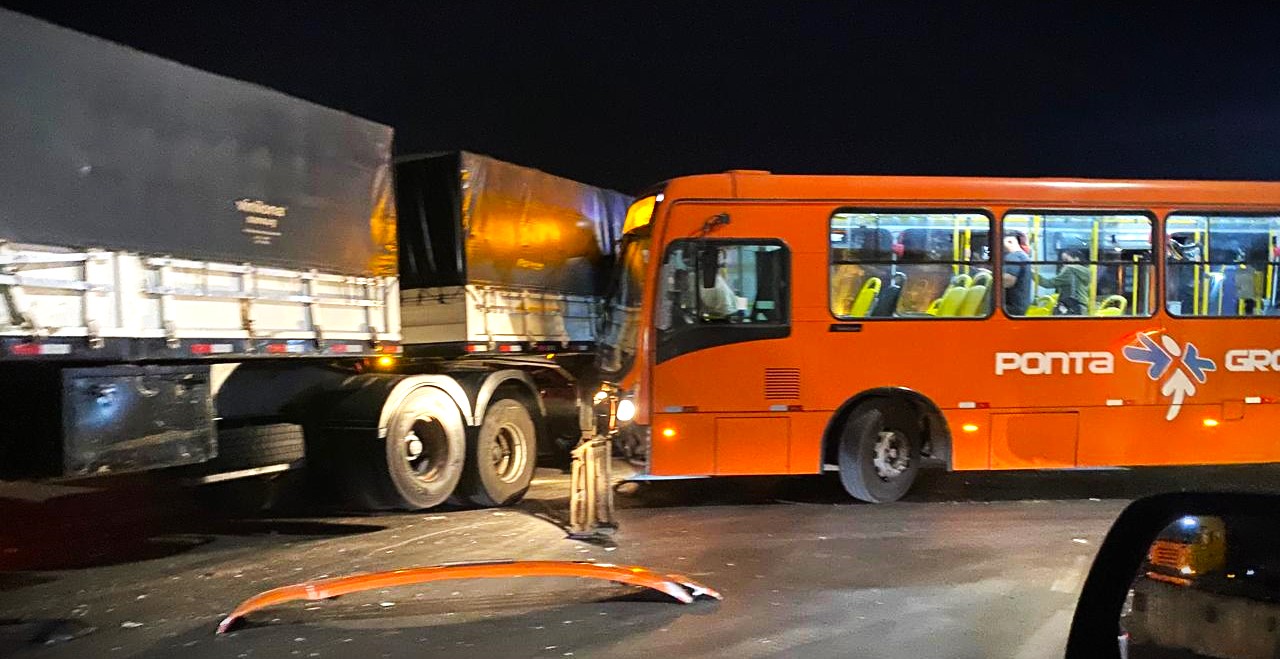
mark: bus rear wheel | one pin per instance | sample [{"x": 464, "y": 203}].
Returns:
[{"x": 879, "y": 453}]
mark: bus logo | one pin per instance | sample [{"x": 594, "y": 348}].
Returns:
[{"x": 1167, "y": 357}]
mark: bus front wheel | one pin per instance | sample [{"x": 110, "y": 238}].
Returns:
[{"x": 879, "y": 452}]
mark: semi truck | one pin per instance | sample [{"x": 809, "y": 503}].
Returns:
[{"x": 212, "y": 278}]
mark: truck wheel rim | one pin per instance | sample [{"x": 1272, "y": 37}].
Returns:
[
  {"x": 892, "y": 454},
  {"x": 508, "y": 453},
  {"x": 425, "y": 449}
]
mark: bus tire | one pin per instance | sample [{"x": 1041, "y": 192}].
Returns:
[
  {"x": 879, "y": 453},
  {"x": 419, "y": 462},
  {"x": 500, "y": 461}
]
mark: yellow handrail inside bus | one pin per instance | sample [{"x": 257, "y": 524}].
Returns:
[
  {"x": 955, "y": 248},
  {"x": 1093, "y": 266},
  {"x": 1033, "y": 242},
  {"x": 1033, "y": 237},
  {"x": 1222, "y": 288},
  {"x": 1133, "y": 304},
  {"x": 1271, "y": 264},
  {"x": 1208, "y": 271},
  {"x": 1195, "y": 293}
]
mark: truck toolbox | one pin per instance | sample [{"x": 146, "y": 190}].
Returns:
[{"x": 109, "y": 419}]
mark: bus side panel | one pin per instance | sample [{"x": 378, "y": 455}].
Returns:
[
  {"x": 683, "y": 445},
  {"x": 970, "y": 438},
  {"x": 1036, "y": 440},
  {"x": 752, "y": 445},
  {"x": 807, "y": 429},
  {"x": 1139, "y": 435}
]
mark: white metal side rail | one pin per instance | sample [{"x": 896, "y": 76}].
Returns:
[{"x": 116, "y": 305}]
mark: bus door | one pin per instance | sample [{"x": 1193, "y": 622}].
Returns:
[{"x": 723, "y": 380}]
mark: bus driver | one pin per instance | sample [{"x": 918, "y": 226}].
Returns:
[{"x": 720, "y": 301}]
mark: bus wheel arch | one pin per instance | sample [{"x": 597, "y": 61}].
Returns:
[{"x": 935, "y": 433}]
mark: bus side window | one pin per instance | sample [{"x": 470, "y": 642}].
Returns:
[
  {"x": 1088, "y": 264},
  {"x": 1221, "y": 265},
  {"x": 909, "y": 264}
]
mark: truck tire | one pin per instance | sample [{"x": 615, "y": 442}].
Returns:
[
  {"x": 246, "y": 447},
  {"x": 879, "y": 453},
  {"x": 418, "y": 464},
  {"x": 500, "y": 461}
]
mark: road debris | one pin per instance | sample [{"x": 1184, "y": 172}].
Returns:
[{"x": 678, "y": 587}]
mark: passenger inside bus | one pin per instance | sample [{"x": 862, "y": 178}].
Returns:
[
  {"x": 1220, "y": 265},
  {"x": 1181, "y": 250},
  {"x": 1071, "y": 283},
  {"x": 1085, "y": 265},
  {"x": 1017, "y": 274}
]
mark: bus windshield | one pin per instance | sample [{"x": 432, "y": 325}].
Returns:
[{"x": 621, "y": 322}]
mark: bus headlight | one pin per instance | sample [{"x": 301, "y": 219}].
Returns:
[{"x": 626, "y": 410}]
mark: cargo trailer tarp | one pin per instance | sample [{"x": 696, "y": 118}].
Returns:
[
  {"x": 102, "y": 146},
  {"x": 469, "y": 219}
]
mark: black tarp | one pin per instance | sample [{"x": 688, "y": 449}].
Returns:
[
  {"x": 104, "y": 146},
  {"x": 470, "y": 219}
]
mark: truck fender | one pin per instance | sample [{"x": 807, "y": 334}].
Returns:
[
  {"x": 368, "y": 401},
  {"x": 498, "y": 378},
  {"x": 410, "y": 383}
]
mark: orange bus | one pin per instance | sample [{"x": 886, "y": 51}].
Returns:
[{"x": 872, "y": 325}]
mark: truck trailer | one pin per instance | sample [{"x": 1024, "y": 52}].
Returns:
[{"x": 212, "y": 278}]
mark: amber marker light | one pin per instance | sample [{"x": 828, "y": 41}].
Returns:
[
  {"x": 668, "y": 432},
  {"x": 1211, "y": 423},
  {"x": 969, "y": 427}
]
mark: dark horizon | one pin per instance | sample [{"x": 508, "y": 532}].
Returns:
[{"x": 627, "y": 96}]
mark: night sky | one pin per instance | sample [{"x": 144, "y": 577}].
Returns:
[{"x": 627, "y": 94}]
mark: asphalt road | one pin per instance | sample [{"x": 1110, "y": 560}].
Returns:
[{"x": 969, "y": 566}]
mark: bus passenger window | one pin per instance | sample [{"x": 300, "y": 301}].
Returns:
[
  {"x": 1078, "y": 264},
  {"x": 910, "y": 264},
  {"x": 1221, "y": 265}
]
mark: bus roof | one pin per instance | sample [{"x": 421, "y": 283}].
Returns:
[{"x": 961, "y": 190}]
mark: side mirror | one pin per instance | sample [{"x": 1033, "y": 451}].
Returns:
[
  {"x": 708, "y": 265},
  {"x": 1184, "y": 575}
]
